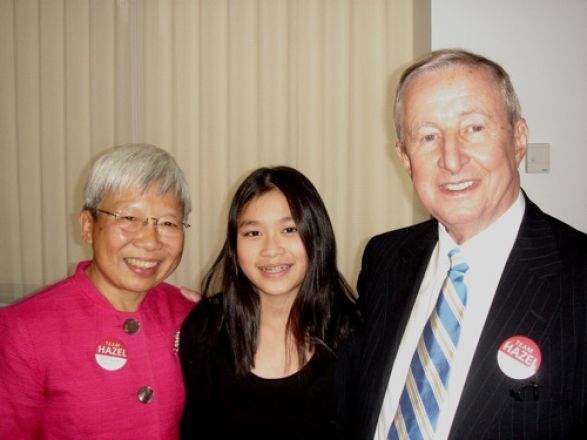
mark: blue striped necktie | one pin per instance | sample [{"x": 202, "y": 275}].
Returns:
[{"x": 427, "y": 380}]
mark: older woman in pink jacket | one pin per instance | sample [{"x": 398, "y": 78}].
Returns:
[{"x": 94, "y": 356}]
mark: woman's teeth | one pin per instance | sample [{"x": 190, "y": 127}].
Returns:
[{"x": 141, "y": 264}]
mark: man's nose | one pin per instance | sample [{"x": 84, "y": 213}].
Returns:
[{"x": 452, "y": 155}]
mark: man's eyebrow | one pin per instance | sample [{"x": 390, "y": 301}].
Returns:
[
  {"x": 465, "y": 113},
  {"x": 475, "y": 111}
]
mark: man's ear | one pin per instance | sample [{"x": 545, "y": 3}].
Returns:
[
  {"x": 403, "y": 157},
  {"x": 520, "y": 139},
  {"x": 86, "y": 226}
]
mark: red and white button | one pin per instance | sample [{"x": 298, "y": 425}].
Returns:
[
  {"x": 111, "y": 354},
  {"x": 519, "y": 357}
]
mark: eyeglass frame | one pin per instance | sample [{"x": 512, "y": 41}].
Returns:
[{"x": 143, "y": 220}]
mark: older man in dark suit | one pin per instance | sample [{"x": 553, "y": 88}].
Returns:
[{"x": 496, "y": 349}]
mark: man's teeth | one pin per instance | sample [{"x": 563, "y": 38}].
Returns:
[
  {"x": 141, "y": 264},
  {"x": 272, "y": 269},
  {"x": 458, "y": 186}
]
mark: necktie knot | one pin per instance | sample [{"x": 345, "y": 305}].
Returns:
[{"x": 457, "y": 263}]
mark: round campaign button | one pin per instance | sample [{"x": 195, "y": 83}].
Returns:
[
  {"x": 519, "y": 357},
  {"x": 111, "y": 353}
]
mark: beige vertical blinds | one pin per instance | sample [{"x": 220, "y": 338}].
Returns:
[{"x": 224, "y": 85}]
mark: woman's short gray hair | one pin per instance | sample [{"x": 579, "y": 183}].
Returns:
[
  {"x": 456, "y": 57},
  {"x": 135, "y": 166}
]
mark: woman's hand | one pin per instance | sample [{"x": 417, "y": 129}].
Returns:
[{"x": 192, "y": 295}]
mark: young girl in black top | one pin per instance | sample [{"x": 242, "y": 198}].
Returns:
[{"x": 259, "y": 359}]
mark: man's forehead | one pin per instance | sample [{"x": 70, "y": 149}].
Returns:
[
  {"x": 457, "y": 74},
  {"x": 453, "y": 87}
]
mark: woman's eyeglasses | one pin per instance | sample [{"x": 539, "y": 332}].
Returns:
[{"x": 166, "y": 226}]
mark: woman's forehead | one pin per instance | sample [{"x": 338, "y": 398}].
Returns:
[{"x": 152, "y": 194}]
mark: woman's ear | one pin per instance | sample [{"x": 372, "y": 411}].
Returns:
[{"x": 86, "y": 225}]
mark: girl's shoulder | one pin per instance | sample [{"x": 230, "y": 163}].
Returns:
[{"x": 204, "y": 323}]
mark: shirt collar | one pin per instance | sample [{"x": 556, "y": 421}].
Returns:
[{"x": 495, "y": 239}]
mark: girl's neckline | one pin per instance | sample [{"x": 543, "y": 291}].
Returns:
[{"x": 306, "y": 369}]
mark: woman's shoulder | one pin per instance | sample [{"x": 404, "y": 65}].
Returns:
[{"x": 168, "y": 300}]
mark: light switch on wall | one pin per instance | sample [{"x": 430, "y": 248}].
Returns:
[{"x": 538, "y": 158}]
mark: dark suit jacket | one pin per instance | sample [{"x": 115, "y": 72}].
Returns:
[{"x": 541, "y": 294}]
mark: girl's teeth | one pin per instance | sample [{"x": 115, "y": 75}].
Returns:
[
  {"x": 140, "y": 263},
  {"x": 274, "y": 268}
]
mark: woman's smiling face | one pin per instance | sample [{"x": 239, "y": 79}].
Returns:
[{"x": 125, "y": 266}]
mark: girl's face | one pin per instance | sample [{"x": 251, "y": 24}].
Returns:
[{"x": 270, "y": 251}]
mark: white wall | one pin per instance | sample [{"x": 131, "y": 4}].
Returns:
[{"x": 543, "y": 46}]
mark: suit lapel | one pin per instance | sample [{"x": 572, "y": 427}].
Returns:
[{"x": 518, "y": 308}]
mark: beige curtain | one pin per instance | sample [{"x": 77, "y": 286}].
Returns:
[{"x": 225, "y": 85}]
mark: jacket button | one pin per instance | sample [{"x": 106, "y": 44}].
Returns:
[
  {"x": 145, "y": 394},
  {"x": 131, "y": 326}
]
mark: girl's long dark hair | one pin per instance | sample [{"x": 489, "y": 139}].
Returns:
[{"x": 323, "y": 312}]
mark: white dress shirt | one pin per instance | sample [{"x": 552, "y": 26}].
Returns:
[{"x": 486, "y": 254}]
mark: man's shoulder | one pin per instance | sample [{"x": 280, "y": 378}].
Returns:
[
  {"x": 550, "y": 247},
  {"x": 565, "y": 231},
  {"x": 568, "y": 240},
  {"x": 399, "y": 238},
  {"x": 412, "y": 243},
  {"x": 571, "y": 244}
]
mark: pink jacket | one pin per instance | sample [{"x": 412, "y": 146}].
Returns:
[{"x": 69, "y": 370}]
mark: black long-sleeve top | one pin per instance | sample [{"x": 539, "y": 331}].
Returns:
[{"x": 222, "y": 405}]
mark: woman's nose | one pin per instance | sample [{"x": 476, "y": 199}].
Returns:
[{"x": 148, "y": 236}]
